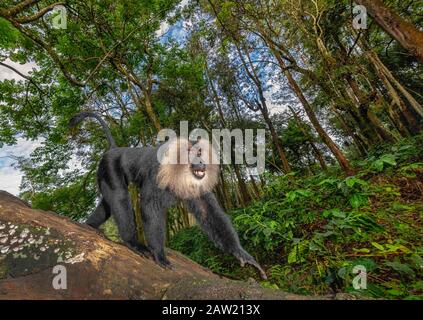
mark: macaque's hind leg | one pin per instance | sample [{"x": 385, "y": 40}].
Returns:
[
  {"x": 154, "y": 222},
  {"x": 99, "y": 216},
  {"x": 217, "y": 225},
  {"x": 120, "y": 205}
]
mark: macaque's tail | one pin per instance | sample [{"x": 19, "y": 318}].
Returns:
[{"x": 83, "y": 115}]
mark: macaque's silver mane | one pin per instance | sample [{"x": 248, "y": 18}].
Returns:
[{"x": 176, "y": 175}]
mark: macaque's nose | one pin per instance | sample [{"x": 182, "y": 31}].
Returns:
[{"x": 199, "y": 165}]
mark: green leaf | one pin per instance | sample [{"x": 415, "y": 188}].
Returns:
[
  {"x": 8, "y": 33},
  {"x": 296, "y": 253},
  {"x": 330, "y": 181},
  {"x": 396, "y": 247},
  {"x": 352, "y": 181},
  {"x": 417, "y": 260},
  {"x": 378, "y": 165},
  {"x": 400, "y": 267},
  {"x": 362, "y": 250},
  {"x": 389, "y": 159},
  {"x": 292, "y": 256},
  {"x": 339, "y": 214},
  {"x": 335, "y": 212},
  {"x": 382, "y": 162},
  {"x": 378, "y": 246},
  {"x": 357, "y": 200},
  {"x": 395, "y": 292}
]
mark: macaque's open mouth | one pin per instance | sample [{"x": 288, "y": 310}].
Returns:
[{"x": 199, "y": 174}]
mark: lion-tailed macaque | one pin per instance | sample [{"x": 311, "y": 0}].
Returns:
[{"x": 161, "y": 184}]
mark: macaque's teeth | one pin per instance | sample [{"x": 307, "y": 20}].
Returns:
[{"x": 199, "y": 174}]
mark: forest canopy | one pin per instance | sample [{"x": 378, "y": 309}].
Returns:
[{"x": 336, "y": 85}]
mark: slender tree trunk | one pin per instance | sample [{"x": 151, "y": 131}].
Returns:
[
  {"x": 340, "y": 157},
  {"x": 136, "y": 204},
  {"x": 366, "y": 109},
  {"x": 256, "y": 80},
  {"x": 246, "y": 198},
  {"x": 264, "y": 109},
  {"x": 410, "y": 121},
  {"x": 316, "y": 150},
  {"x": 374, "y": 120},
  {"x": 396, "y": 120},
  {"x": 401, "y": 30},
  {"x": 216, "y": 97},
  {"x": 255, "y": 187},
  {"x": 358, "y": 141},
  {"x": 238, "y": 197},
  {"x": 151, "y": 114},
  {"x": 227, "y": 201},
  {"x": 275, "y": 139},
  {"x": 369, "y": 134},
  {"x": 380, "y": 67}
]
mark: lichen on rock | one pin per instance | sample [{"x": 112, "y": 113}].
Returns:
[{"x": 25, "y": 249}]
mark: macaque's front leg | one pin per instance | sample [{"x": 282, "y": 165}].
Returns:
[{"x": 217, "y": 225}]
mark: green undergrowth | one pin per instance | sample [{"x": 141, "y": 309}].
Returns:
[{"x": 312, "y": 233}]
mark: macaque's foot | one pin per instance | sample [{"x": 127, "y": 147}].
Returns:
[
  {"x": 162, "y": 261},
  {"x": 245, "y": 258},
  {"x": 139, "y": 248}
]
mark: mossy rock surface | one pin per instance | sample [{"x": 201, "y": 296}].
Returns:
[{"x": 25, "y": 249}]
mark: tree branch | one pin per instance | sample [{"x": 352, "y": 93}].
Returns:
[
  {"x": 13, "y": 11},
  {"x": 38, "y": 15},
  {"x": 22, "y": 75}
]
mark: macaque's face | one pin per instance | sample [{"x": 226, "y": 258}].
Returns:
[
  {"x": 188, "y": 168},
  {"x": 197, "y": 164}
]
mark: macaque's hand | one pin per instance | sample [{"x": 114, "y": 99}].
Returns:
[{"x": 245, "y": 258}]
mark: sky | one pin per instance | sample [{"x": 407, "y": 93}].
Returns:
[{"x": 10, "y": 178}]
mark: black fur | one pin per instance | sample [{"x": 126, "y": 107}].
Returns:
[{"x": 120, "y": 166}]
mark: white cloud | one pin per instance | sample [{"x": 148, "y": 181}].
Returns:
[
  {"x": 10, "y": 178},
  {"x": 164, "y": 26},
  {"x": 6, "y": 73}
]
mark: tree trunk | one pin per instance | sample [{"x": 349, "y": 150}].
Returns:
[
  {"x": 316, "y": 150},
  {"x": 340, "y": 157},
  {"x": 136, "y": 203},
  {"x": 401, "y": 30},
  {"x": 151, "y": 114},
  {"x": 255, "y": 187},
  {"x": 276, "y": 140},
  {"x": 246, "y": 198},
  {"x": 227, "y": 198},
  {"x": 263, "y": 108},
  {"x": 380, "y": 67},
  {"x": 358, "y": 141}
]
